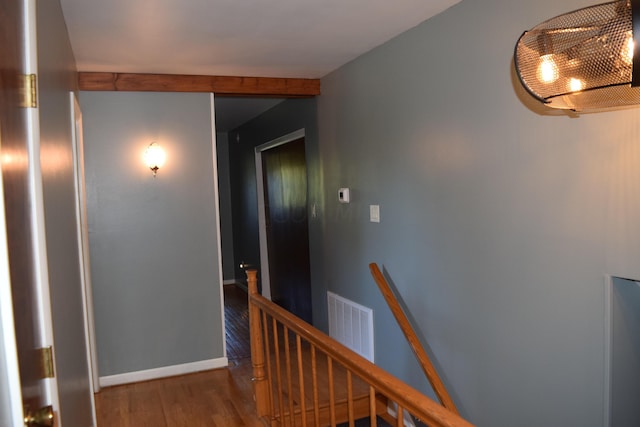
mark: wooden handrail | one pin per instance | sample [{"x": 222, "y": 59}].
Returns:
[
  {"x": 409, "y": 398},
  {"x": 414, "y": 342}
]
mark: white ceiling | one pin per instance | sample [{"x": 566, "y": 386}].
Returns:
[
  {"x": 263, "y": 38},
  {"x": 260, "y": 38}
]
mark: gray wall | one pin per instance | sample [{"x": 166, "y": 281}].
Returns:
[
  {"x": 498, "y": 223},
  {"x": 56, "y": 79},
  {"x": 226, "y": 216},
  {"x": 284, "y": 118},
  {"x": 153, "y": 241}
]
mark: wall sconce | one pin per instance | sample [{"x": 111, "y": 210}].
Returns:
[
  {"x": 585, "y": 60},
  {"x": 154, "y": 157}
]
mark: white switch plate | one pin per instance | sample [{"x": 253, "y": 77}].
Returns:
[{"x": 374, "y": 213}]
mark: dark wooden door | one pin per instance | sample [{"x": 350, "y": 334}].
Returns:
[
  {"x": 285, "y": 187},
  {"x": 17, "y": 215}
]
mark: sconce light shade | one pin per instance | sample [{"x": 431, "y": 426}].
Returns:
[
  {"x": 154, "y": 157},
  {"x": 585, "y": 60}
]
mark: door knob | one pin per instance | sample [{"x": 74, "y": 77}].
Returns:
[{"x": 41, "y": 418}]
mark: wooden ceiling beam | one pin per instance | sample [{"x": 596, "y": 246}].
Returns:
[{"x": 222, "y": 85}]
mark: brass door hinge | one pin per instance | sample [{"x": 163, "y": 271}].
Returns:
[
  {"x": 45, "y": 357},
  {"x": 28, "y": 91}
]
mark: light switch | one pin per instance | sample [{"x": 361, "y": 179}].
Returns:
[{"x": 374, "y": 213}]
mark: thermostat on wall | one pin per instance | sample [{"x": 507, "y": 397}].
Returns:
[{"x": 343, "y": 195}]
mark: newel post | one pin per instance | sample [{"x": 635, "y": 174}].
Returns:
[{"x": 260, "y": 384}]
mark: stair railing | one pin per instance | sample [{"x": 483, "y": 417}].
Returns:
[
  {"x": 287, "y": 378},
  {"x": 412, "y": 338}
]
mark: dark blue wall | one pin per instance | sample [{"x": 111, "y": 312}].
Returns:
[{"x": 288, "y": 116}]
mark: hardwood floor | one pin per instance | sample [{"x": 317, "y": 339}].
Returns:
[
  {"x": 236, "y": 313},
  {"x": 216, "y": 398},
  {"x": 219, "y": 398}
]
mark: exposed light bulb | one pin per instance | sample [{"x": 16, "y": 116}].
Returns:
[
  {"x": 548, "y": 69},
  {"x": 575, "y": 85},
  {"x": 627, "y": 49},
  {"x": 154, "y": 157}
]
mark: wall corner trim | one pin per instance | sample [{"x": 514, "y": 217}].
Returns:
[{"x": 163, "y": 372}]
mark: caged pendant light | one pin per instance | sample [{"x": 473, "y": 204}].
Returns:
[{"x": 585, "y": 60}]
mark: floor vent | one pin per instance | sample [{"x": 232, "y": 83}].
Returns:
[{"x": 351, "y": 324}]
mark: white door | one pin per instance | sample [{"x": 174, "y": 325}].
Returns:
[{"x": 24, "y": 395}]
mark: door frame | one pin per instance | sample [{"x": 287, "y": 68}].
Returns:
[
  {"x": 262, "y": 221},
  {"x": 608, "y": 345},
  {"x": 84, "y": 265}
]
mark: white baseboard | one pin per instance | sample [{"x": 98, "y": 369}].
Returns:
[{"x": 165, "y": 371}]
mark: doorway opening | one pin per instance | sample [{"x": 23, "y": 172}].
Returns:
[
  {"x": 230, "y": 114},
  {"x": 236, "y": 322},
  {"x": 622, "y": 352},
  {"x": 281, "y": 175}
]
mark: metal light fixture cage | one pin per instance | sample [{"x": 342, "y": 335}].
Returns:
[{"x": 585, "y": 60}]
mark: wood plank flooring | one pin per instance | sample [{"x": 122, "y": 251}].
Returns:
[
  {"x": 236, "y": 313},
  {"x": 216, "y": 398},
  {"x": 219, "y": 398}
]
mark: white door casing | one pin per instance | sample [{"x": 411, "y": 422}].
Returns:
[{"x": 83, "y": 245}]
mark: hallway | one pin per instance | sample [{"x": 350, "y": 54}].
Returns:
[
  {"x": 236, "y": 317},
  {"x": 220, "y": 397}
]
